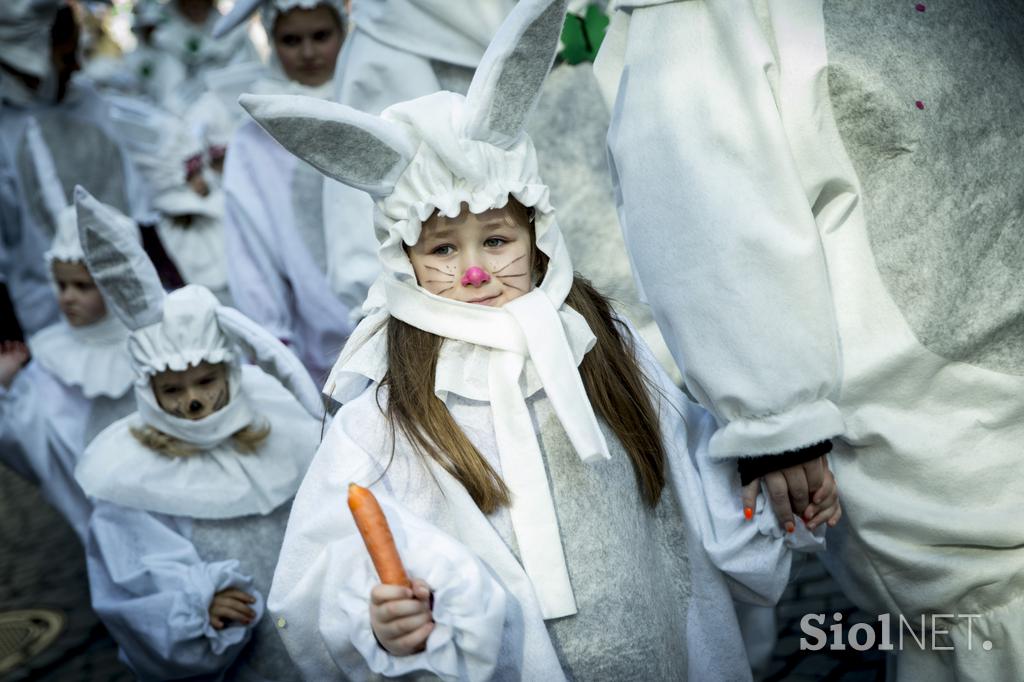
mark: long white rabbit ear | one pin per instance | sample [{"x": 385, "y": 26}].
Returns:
[
  {"x": 272, "y": 357},
  {"x": 242, "y": 10},
  {"x": 117, "y": 263},
  {"x": 50, "y": 185},
  {"x": 360, "y": 150},
  {"x": 508, "y": 81}
]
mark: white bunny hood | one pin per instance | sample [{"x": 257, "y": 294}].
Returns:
[
  {"x": 176, "y": 330},
  {"x": 436, "y": 153}
]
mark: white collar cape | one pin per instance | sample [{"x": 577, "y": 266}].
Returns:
[
  {"x": 93, "y": 359},
  {"x": 219, "y": 482}
]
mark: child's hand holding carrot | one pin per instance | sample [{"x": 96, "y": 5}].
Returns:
[
  {"x": 399, "y": 608},
  {"x": 401, "y": 617}
]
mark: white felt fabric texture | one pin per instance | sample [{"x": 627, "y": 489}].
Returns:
[
  {"x": 152, "y": 590},
  {"x": 93, "y": 359},
  {"x": 780, "y": 397},
  {"x": 24, "y": 33},
  {"x": 219, "y": 482}
]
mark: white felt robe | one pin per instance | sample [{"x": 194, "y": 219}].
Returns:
[
  {"x": 488, "y": 619},
  {"x": 762, "y": 227}
]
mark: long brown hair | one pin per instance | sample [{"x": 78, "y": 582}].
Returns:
[{"x": 617, "y": 388}]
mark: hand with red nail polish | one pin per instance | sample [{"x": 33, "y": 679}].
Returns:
[{"x": 749, "y": 494}]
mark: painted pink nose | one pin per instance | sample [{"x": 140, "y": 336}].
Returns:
[{"x": 475, "y": 276}]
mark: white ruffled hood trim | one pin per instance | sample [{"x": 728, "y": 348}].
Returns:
[
  {"x": 93, "y": 359},
  {"x": 187, "y": 335},
  {"x": 217, "y": 483}
]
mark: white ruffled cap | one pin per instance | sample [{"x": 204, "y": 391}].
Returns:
[
  {"x": 185, "y": 336},
  {"x": 67, "y": 246}
]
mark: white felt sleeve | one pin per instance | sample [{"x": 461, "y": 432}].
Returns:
[
  {"x": 755, "y": 556},
  {"x": 152, "y": 591},
  {"x": 722, "y": 214},
  {"x": 324, "y": 576}
]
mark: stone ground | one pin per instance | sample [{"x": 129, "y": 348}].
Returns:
[{"x": 42, "y": 566}]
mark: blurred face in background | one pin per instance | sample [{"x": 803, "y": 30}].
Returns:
[
  {"x": 80, "y": 301},
  {"x": 307, "y": 42}
]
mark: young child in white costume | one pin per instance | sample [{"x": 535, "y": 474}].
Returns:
[
  {"x": 531, "y": 518},
  {"x": 192, "y": 491},
  {"x": 80, "y": 376},
  {"x": 274, "y": 222}
]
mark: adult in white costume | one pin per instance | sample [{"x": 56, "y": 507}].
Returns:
[
  {"x": 173, "y": 536},
  {"x": 38, "y": 42},
  {"x": 836, "y": 178},
  {"x": 79, "y": 379},
  {"x": 522, "y": 593},
  {"x": 274, "y": 222}
]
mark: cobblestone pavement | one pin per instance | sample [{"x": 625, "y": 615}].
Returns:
[{"x": 42, "y": 565}]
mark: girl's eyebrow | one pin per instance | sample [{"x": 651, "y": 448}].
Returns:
[{"x": 438, "y": 233}]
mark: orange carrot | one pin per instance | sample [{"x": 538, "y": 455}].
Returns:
[{"x": 373, "y": 526}]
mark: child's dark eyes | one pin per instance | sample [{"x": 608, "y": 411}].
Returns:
[
  {"x": 169, "y": 390},
  {"x": 290, "y": 40},
  {"x": 443, "y": 250},
  {"x": 494, "y": 242},
  {"x": 206, "y": 381},
  {"x": 322, "y": 36}
]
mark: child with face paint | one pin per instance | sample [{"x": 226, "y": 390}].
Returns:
[
  {"x": 79, "y": 380},
  {"x": 192, "y": 491},
  {"x": 537, "y": 468}
]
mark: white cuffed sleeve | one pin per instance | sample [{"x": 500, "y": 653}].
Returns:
[
  {"x": 722, "y": 216},
  {"x": 153, "y": 592},
  {"x": 324, "y": 576}
]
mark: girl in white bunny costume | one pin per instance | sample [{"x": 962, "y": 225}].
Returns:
[
  {"x": 192, "y": 491},
  {"x": 80, "y": 376},
  {"x": 582, "y": 522}
]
